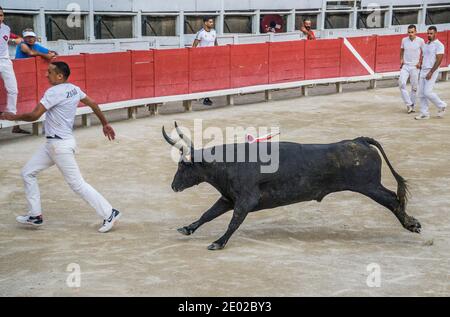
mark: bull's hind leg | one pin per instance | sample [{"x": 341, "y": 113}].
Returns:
[
  {"x": 219, "y": 208},
  {"x": 389, "y": 199},
  {"x": 241, "y": 210}
]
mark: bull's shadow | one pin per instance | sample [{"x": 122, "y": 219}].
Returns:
[{"x": 305, "y": 172}]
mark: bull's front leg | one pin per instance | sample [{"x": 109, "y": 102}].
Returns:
[
  {"x": 219, "y": 208},
  {"x": 241, "y": 210}
]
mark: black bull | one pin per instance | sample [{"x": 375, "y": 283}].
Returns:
[{"x": 306, "y": 172}]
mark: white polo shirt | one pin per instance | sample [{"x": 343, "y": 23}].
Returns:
[
  {"x": 61, "y": 102},
  {"x": 206, "y": 38},
  {"x": 411, "y": 53},
  {"x": 430, "y": 50},
  {"x": 5, "y": 33}
]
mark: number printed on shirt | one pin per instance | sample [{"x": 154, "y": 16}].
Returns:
[{"x": 71, "y": 93}]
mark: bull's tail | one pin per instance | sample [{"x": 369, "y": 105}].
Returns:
[{"x": 402, "y": 187}]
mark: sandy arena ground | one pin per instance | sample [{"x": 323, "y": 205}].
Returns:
[{"x": 310, "y": 249}]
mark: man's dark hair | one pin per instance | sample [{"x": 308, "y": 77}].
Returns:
[
  {"x": 62, "y": 68},
  {"x": 1, "y": 8},
  {"x": 412, "y": 26},
  {"x": 207, "y": 18},
  {"x": 432, "y": 28}
]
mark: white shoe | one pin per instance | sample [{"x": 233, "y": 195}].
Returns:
[
  {"x": 109, "y": 223},
  {"x": 441, "y": 112},
  {"x": 422, "y": 117},
  {"x": 410, "y": 109},
  {"x": 30, "y": 220}
]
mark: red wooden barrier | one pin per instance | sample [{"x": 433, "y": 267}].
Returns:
[
  {"x": 286, "y": 61},
  {"x": 249, "y": 64},
  {"x": 388, "y": 53},
  {"x": 209, "y": 68},
  {"x": 108, "y": 76},
  {"x": 365, "y": 46},
  {"x": 143, "y": 74},
  {"x": 322, "y": 58},
  {"x": 171, "y": 72},
  {"x": 25, "y": 70}
]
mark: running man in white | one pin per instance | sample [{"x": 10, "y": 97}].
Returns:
[
  {"x": 433, "y": 52},
  {"x": 59, "y": 105},
  {"x": 410, "y": 59},
  {"x": 206, "y": 37},
  {"x": 7, "y": 70}
]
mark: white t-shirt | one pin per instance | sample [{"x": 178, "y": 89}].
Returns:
[
  {"x": 430, "y": 50},
  {"x": 61, "y": 102},
  {"x": 411, "y": 53},
  {"x": 206, "y": 38},
  {"x": 5, "y": 32}
]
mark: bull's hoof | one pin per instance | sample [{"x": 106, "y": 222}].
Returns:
[
  {"x": 412, "y": 224},
  {"x": 185, "y": 230},
  {"x": 215, "y": 246}
]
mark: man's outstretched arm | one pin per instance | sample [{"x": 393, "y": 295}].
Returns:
[
  {"x": 108, "y": 131},
  {"x": 29, "y": 117}
]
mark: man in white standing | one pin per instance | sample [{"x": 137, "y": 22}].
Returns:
[
  {"x": 7, "y": 70},
  {"x": 206, "y": 37},
  {"x": 60, "y": 103},
  {"x": 433, "y": 52},
  {"x": 410, "y": 59}
]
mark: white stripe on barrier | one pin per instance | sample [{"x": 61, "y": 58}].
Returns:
[{"x": 358, "y": 57}]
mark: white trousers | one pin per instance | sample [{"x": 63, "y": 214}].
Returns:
[
  {"x": 425, "y": 92},
  {"x": 61, "y": 153},
  {"x": 9, "y": 79},
  {"x": 411, "y": 72}
]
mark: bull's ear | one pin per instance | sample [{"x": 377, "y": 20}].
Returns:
[{"x": 186, "y": 157}]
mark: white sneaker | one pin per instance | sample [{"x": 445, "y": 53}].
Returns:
[
  {"x": 422, "y": 117},
  {"x": 109, "y": 223},
  {"x": 30, "y": 220},
  {"x": 441, "y": 112},
  {"x": 410, "y": 109}
]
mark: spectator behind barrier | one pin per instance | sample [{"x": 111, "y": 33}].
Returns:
[
  {"x": 29, "y": 47},
  {"x": 306, "y": 29}
]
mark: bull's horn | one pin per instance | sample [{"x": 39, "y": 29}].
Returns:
[
  {"x": 185, "y": 150},
  {"x": 182, "y": 136},
  {"x": 168, "y": 139}
]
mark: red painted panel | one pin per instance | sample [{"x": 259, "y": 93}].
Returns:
[
  {"x": 388, "y": 53},
  {"x": 108, "y": 76},
  {"x": 322, "y": 58},
  {"x": 143, "y": 74},
  {"x": 249, "y": 64},
  {"x": 209, "y": 68},
  {"x": 366, "y": 47},
  {"x": 171, "y": 72},
  {"x": 286, "y": 61}
]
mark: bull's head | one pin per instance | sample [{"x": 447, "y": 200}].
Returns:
[{"x": 189, "y": 172}]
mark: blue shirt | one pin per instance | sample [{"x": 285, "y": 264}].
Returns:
[{"x": 35, "y": 47}]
